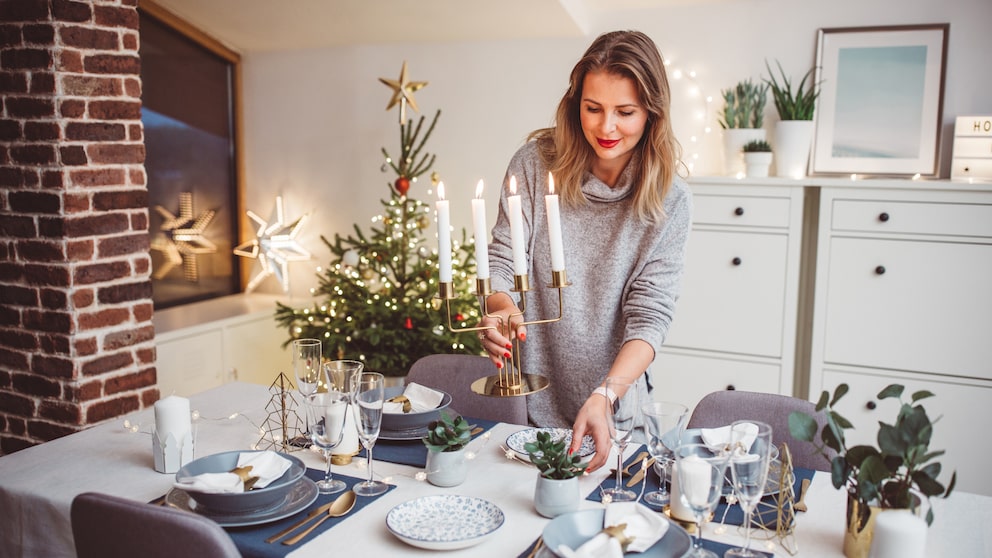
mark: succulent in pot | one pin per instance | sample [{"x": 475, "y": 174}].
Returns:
[
  {"x": 792, "y": 105},
  {"x": 757, "y": 146},
  {"x": 448, "y": 433},
  {"x": 551, "y": 458},
  {"x": 744, "y": 105},
  {"x": 896, "y": 474}
]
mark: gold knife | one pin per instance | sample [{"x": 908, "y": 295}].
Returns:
[
  {"x": 321, "y": 510},
  {"x": 639, "y": 475}
]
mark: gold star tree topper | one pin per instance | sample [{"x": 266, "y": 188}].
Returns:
[{"x": 403, "y": 90}]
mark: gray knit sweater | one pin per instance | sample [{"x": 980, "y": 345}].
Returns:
[{"x": 625, "y": 281}]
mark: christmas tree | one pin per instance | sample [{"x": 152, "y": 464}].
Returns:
[{"x": 378, "y": 293}]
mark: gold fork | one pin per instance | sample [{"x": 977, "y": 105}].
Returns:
[{"x": 537, "y": 547}]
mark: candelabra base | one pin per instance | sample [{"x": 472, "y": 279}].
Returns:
[{"x": 509, "y": 385}]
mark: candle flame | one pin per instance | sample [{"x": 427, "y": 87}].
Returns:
[
  {"x": 440, "y": 190},
  {"x": 478, "y": 189},
  {"x": 551, "y": 184},
  {"x": 513, "y": 185}
]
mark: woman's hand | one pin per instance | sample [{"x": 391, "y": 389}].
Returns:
[
  {"x": 503, "y": 323},
  {"x": 591, "y": 421}
]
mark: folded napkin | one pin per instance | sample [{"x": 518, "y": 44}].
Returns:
[
  {"x": 628, "y": 526},
  {"x": 266, "y": 465},
  {"x": 720, "y": 438},
  {"x": 415, "y": 399}
]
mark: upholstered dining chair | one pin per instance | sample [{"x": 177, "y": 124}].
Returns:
[
  {"x": 105, "y": 526},
  {"x": 454, "y": 375},
  {"x": 721, "y": 408}
]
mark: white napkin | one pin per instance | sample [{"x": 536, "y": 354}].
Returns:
[
  {"x": 719, "y": 438},
  {"x": 643, "y": 525},
  {"x": 266, "y": 465},
  {"x": 421, "y": 398}
]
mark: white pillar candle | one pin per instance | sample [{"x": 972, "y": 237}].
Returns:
[
  {"x": 335, "y": 413},
  {"x": 696, "y": 478},
  {"x": 172, "y": 417},
  {"x": 676, "y": 507},
  {"x": 517, "y": 230},
  {"x": 443, "y": 235},
  {"x": 481, "y": 234},
  {"x": 899, "y": 534},
  {"x": 554, "y": 227}
]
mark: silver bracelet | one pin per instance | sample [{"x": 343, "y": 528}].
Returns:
[{"x": 608, "y": 393}]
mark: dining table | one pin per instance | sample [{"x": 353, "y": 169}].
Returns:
[{"x": 38, "y": 484}]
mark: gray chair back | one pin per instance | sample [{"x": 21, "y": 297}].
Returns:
[
  {"x": 721, "y": 408},
  {"x": 105, "y": 526},
  {"x": 454, "y": 375}
]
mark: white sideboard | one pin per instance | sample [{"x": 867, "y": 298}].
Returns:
[
  {"x": 903, "y": 294},
  {"x": 206, "y": 344},
  {"x": 735, "y": 323}
]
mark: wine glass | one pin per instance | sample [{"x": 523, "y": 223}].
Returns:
[
  {"x": 326, "y": 413},
  {"x": 665, "y": 422},
  {"x": 621, "y": 418},
  {"x": 306, "y": 368},
  {"x": 701, "y": 476},
  {"x": 339, "y": 374},
  {"x": 750, "y": 454},
  {"x": 368, "y": 395}
]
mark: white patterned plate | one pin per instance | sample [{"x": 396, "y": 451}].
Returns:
[
  {"x": 444, "y": 522},
  {"x": 517, "y": 440}
]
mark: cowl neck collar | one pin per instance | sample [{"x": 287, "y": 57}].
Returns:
[{"x": 597, "y": 190}]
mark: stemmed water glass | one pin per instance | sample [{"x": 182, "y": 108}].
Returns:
[
  {"x": 368, "y": 395},
  {"x": 665, "y": 422},
  {"x": 750, "y": 454},
  {"x": 622, "y": 419},
  {"x": 340, "y": 374},
  {"x": 701, "y": 476},
  {"x": 306, "y": 368},
  {"x": 326, "y": 413}
]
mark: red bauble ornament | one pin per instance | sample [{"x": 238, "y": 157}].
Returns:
[
  {"x": 402, "y": 185},
  {"x": 408, "y": 324},
  {"x": 459, "y": 317}
]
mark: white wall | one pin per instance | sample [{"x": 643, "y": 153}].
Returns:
[{"x": 315, "y": 120}]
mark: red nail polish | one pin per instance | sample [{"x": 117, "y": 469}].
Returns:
[
  {"x": 569, "y": 451},
  {"x": 523, "y": 336},
  {"x": 506, "y": 355},
  {"x": 499, "y": 365},
  {"x": 509, "y": 346}
]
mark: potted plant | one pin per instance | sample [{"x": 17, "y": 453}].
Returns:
[
  {"x": 741, "y": 119},
  {"x": 757, "y": 158},
  {"x": 446, "y": 440},
  {"x": 794, "y": 130},
  {"x": 557, "y": 489},
  {"x": 897, "y": 474}
]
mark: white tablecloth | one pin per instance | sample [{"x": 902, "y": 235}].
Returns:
[{"x": 37, "y": 486}]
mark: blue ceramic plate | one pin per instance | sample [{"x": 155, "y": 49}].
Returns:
[
  {"x": 445, "y": 522},
  {"x": 298, "y": 498},
  {"x": 517, "y": 440},
  {"x": 574, "y": 529},
  {"x": 256, "y": 500}
]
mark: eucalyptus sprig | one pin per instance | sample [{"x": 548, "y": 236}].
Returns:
[
  {"x": 552, "y": 459},
  {"x": 886, "y": 475}
]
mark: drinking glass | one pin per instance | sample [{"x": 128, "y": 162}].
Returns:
[
  {"x": 665, "y": 422},
  {"x": 368, "y": 395},
  {"x": 339, "y": 374},
  {"x": 701, "y": 476},
  {"x": 750, "y": 454},
  {"x": 621, "y": 418},
  {"x": 306, "y": 368},
  {"x": 326, "y": 413}
]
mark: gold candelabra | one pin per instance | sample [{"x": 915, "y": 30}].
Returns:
[{"x": 510, "y": 380}]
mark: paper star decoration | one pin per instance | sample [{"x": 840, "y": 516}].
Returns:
[
  {"x": 403, "y": 91},
  {"x": 181, "y": 238},
  {"x": 274, "y": 246}
]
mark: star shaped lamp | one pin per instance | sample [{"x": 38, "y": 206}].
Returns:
[
  {"x": 181, "y": 238},
  {"x": 274, "y": 246},
  {"x": 403, "y": 90}
]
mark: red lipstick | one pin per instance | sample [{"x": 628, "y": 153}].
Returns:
[{"x": 607, "y": 144}]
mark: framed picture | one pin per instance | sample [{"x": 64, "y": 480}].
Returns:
[{"x": 881, "y": 100}]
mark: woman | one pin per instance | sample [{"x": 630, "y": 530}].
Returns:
[{"x": 625, "y": 220}]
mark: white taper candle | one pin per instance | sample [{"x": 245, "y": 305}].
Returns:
[
  {"x": 517, "y": 230},
  {"x": 443, "y": 235},
  {"x": 481, "y": 233}
]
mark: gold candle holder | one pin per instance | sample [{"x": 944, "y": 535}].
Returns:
[{"x": 510, "y": 380}]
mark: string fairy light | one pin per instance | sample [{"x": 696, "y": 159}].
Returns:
[{"x": 697, "y": 131}]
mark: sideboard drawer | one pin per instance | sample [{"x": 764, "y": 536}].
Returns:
[
  {"x": 745, "y": 211},
  {"x": 880, "y": 216},
  {"x": 685, "y": 378}
]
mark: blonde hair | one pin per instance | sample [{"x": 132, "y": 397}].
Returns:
[{"x": 564, "y": 149}]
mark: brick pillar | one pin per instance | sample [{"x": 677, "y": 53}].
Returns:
[{"x": 76, "y": 336}]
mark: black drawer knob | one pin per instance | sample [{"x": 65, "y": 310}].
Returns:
[
  {"x": 883, "y": 216},
  {"x": 736, "y": 261},
  {"x": 731, "y": 387},
  {"x": 880, "y": 270},
  {"x": 870, "y": 405},
  {"x": 739, "y": 211}
]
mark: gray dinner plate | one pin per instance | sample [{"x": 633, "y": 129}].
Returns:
[{"x": 575, "y": 528}]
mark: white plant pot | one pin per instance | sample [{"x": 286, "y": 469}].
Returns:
[
  {"x": 553, "y": 497},
  {"x": 446, "y": 468},
  {"x": 756, "y": 164},
  {"x": 793, "y": 139},
  {"x": 733, "y": 140}
]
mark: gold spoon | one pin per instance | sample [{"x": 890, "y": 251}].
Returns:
[
  {"x": 341, "y": 506},
  {"x": 800, "y": 506}
]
